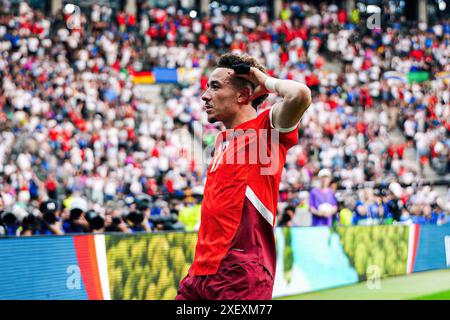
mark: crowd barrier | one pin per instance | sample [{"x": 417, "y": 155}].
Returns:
[{"x": 150, "y": 266}]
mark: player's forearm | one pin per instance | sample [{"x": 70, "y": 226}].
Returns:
[
  {"x": 296, "y": 96},
  {"x": 293, "y": 92},
  {"x": 296, "y": 99}
]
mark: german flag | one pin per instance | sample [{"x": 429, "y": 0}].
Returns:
[{"x": 143, "y": 77}]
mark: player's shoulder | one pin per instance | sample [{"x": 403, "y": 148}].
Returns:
[
  {"x": 264, "y": 113},
  {"x": 262, "y": 120}
]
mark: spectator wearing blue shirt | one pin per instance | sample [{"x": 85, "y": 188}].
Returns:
[
  {"x": 138, "y": 222},
  {"x": 77, "y": 222},
  {"x": 30, "y": 225},
  {"x": 423, "y": 214},
  {"x": 138, "y": 218},
  {"x": 9, "y": 223},
  {"x": 51, "y": 218},
  {"x": 375, "y": 208},
  {"x": 441, "y": 209},
  {"x": 361, "y": 215},
  {"x": 369, "y": 209},
  {"x": 17, "y": 220},
  {"x": 431, "y": 217}
]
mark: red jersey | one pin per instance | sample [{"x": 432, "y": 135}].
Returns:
[{"x": 241, "y": 195}]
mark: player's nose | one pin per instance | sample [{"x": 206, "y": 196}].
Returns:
[{"x": 206, "y": 97}]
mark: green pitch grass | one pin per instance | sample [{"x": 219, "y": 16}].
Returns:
[
  {"x": 430, "y": 285},
  {"x": 444, "y": 295}
]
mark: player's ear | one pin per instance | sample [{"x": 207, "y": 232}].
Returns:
[{"x": 244, "y": 94}]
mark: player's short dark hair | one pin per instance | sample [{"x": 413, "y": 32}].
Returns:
[{"x": 228, "y": 60}]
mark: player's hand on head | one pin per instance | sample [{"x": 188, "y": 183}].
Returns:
[{"x": 257, "y": 77}]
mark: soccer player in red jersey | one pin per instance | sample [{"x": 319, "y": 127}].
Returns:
[{"x": 235, "y": 257}]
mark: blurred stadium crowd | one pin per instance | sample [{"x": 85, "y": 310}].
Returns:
[{"x": 81, "y": 151}]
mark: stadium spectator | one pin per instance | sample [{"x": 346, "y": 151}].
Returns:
[
  {"x": 77, "y": 222},
  {"x": 302, "y": 216},
  {"x": 287, "y": 217},
  {"x": 346, "y": 211},
  {"x": 51, "y": 218},
  {"x": 322, "y": 201},
  {"x": 189, "y": 215}
]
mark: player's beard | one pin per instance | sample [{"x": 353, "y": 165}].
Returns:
[{"x": 212, "y": 119}]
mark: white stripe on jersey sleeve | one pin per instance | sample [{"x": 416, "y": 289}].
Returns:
[
  {"x": 267, "y": 215},
  {"x": 282, "y": 130}
]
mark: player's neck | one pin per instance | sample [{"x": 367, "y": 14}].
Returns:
[{"x": 247, "y": 113}]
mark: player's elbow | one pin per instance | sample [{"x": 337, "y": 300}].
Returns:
[
  {"x": 304, "y": 97},
  {"x": 301, "y": 97}
]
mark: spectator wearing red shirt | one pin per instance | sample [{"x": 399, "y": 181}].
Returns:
[
  {"x": 121, "y": 21},
  {"x": 51, "y": 185},
  {"x": 131, "y": 23}
]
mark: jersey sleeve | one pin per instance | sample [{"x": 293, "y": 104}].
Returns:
[{"x": 288, "y": 136}]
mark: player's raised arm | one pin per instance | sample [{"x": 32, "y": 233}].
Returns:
[{"x": 296, "y": 97}]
